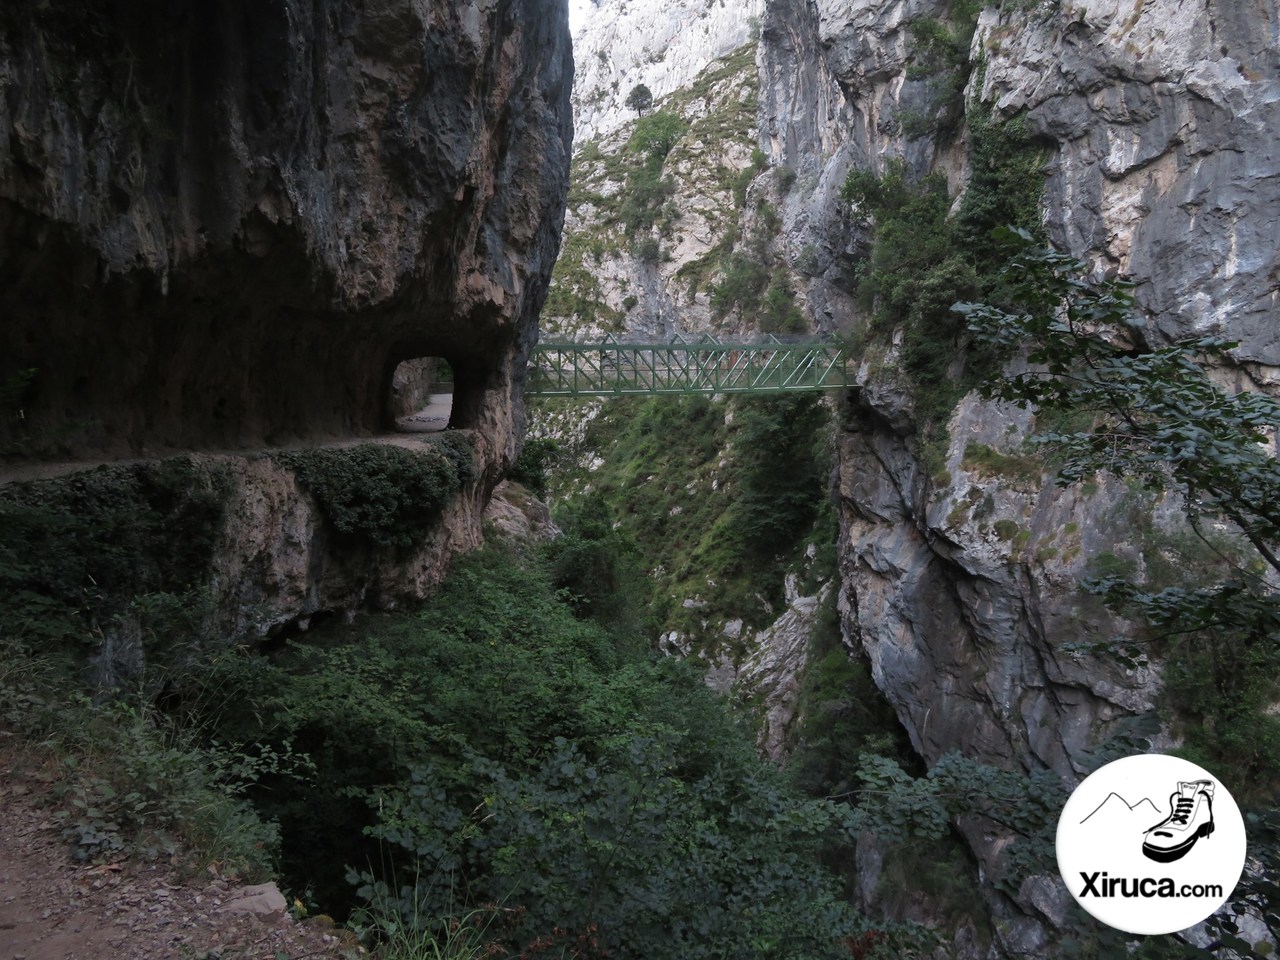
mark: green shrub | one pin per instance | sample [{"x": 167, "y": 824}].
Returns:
[
  {"x": 1005, "y": 189},
  {"x": 530, "y": 468},
  {"x": 654, "y": 136},
  {"x": 505, "y": 752},
  {"x": 670, "y": 484},
  {"x": 922, "y": 260},
  {"x": 648, "y": 250},
  {"x": 807, "y": 263},
  {"x": 137, "y": 784},
  {"x": 132, "y": 780},
  {"x": 783, "y": 462},
  {"x": 384, "y": 494},
  {"x": 744, "y": 281},
  {"x": 645, "y": 196},
  {"x": 987, "y": 461},
  {"x": 76, "y": 550},
  {"x": 842, "y": 715},
  {"x": 648, "y": 859},
  {"x": 1220, "y": 693},
  {"x": 595, "y": 567},
  {"x": 778, "y": 310},
  {"x": 646, "y": 192}
]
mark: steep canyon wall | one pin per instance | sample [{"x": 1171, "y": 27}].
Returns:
[
  {"x": 960, "y": 569},
  {"x": 224, "y": 225}
]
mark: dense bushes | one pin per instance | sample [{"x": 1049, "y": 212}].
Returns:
[
  {"x": 77, "y": 552},
  {"x": 597, "y": 568},
  {"x": 717, "y": 497},
  {"x": 923, "y": 260},
  {"x": 644, "y": 856},
  {"x": 385, "y": 494},
  {"x": 503, "y": 752},
  {"x": 536, "y": 458},
  {"x": 744, "y": 281},
  {"x": 129, "y": 780},
  {"x": 782, "y": 463},
  {"x": 647, "y": 190},
  {"x": 842, "y": 715}
]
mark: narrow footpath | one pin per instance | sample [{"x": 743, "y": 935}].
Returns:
[
  {"x": 433, "y": 418},
  {"x": 52, "y": 908}
]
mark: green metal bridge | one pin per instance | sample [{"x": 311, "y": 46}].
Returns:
[{"x": 703, "y": 365}]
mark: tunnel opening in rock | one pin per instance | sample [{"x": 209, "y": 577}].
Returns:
[{"x": 421, "y": 395}]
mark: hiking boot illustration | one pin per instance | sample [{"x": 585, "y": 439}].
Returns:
[{"x": 1191, "y": 818}]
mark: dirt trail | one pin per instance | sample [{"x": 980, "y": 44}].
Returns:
[
  {"x": 433, "y": 418},
  {"x": 54, "y": 909}
]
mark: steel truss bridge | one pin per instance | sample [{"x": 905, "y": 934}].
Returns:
[{"x": 702, "y": 365}]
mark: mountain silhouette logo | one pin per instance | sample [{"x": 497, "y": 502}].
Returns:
[
  {"x": 1174, "y": 834},
  {"x": 1117, "y": 806},
  {"x": 1143, "y": 863}
]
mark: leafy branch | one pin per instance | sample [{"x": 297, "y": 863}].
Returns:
[{"x": 1158, "y": 418}]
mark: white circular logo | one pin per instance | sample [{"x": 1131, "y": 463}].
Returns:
[{"x": 1151, "y": 844}]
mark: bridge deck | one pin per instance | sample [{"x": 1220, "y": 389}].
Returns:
[{"x": 706, "y": 366}]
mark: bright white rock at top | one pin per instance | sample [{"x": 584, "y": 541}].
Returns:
[{"x": 663, "y": 44}]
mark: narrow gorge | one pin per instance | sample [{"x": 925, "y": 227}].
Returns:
[
  {"x": 791, "y": 675},
  {"x": 959, "y": 560}
]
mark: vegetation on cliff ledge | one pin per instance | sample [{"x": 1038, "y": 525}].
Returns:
[
  {"x": 717, "y": 498},
  {"x": 97, "y": 551},
  {"x": 387, "y": 495},
  {"x": 923, "y": 258}
]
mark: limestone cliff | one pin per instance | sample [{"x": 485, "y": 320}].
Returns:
[
  {"x": 222, "y": 228},
  {"x": 648, "y": 236},
  {"x": 225, "y": 224},
  {"x": 661, "y": 44},
  {"x": 960, "y": 566},
  {"x": 1154, "y": 169}
]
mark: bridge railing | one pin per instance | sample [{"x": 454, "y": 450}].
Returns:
[{"x": 707, "y": 366}]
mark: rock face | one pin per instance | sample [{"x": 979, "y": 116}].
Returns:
[
  {"x": 1167, "y": 165},
  {"x": 280, "y": 564},
  {"x": 1162, "y": 164},
  {"x": 960, "y": 569},
  {"x": 964, "y": 594},
  {"x": 648, "y": 271},
  {"x": 664, "y": 45},
  {"x": 225, "y": 224},
  {"x": 774, "y": 668}
]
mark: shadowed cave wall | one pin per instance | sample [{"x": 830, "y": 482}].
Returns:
[{"x": 224, "y": 224}]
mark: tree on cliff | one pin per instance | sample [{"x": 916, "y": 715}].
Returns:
[
  {"x": 1152, "y": 414},
  {"x": 640, "y": 99}
]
